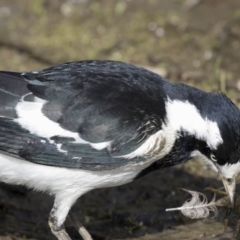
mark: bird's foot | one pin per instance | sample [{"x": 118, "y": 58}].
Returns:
[
  {"x": 226, "y": 202},
  {"x": 223, "y": 202},
  {"x": 237, "y": 228}
]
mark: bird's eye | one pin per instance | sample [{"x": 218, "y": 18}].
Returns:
[{"x": 213, "y": 158}]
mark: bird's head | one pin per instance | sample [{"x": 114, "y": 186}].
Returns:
[
  {"x": 225, "y": 159},
  {"x": 222, "y": 149},
  {"x": 214, "y": 125},
  {"x": 225, "y": 156},
  {"x": 227, "y": 168}
]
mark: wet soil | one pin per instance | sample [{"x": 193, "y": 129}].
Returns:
[{"x": 195, "y": 42}]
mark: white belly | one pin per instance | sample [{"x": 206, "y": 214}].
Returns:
[{"x": 55, "y": 180}]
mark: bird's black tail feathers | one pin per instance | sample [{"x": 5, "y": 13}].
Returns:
[{"x": 12, "y": 88}]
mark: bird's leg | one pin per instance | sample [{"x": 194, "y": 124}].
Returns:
[
  {"x": 57, "y": 228},
  {"x": 58, "y": 214},
  {"x": 58, "y": 231},
  {"x": 236, "y": 231},
  {"x": 214, "y": 190},
  {"x": 226, "y": 218},
  {"x": 229, "y": 207},
  {"x": 226, "y": 202},
  {"x": 80, "y": 228}
]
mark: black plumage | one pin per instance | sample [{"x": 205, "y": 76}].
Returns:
[
  {"x": 106, "y": 100},
  {"x": 101, "y": 101},
  {"x": 107, "y": 123}
]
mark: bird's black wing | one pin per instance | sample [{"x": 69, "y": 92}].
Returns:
[{"x": 90, "y": 115}]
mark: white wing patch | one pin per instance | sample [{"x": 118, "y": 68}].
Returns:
[
  {"x": 30, "y": 117},
  {"x": 185, "y": 116}
]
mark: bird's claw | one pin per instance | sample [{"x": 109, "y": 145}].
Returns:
[
  {"x": 214, "y": 190},
  {"x": 225, "y": 202}
]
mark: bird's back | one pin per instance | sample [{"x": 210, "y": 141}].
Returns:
[{"x": 85, "y": 115}]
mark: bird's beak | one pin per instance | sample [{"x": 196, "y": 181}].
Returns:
[{"x": 229, "y": 185}]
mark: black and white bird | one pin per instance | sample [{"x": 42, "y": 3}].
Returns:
[{"x": 79, "y": 126}]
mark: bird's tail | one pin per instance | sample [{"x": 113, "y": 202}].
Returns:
[{"x": 12, "y": 88}]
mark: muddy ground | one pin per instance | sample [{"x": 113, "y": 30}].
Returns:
[{"x": 192, "y": 41}]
